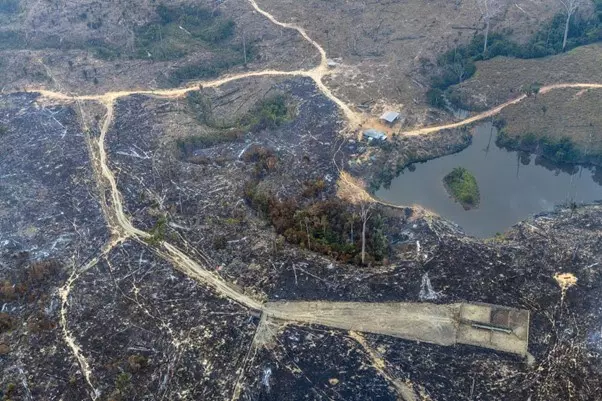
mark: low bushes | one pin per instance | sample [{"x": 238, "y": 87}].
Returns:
[
  {"x": 462, "y": 186},
  {"x": 561, "y": 151},
  {"x": 267, "y": 114},
  {"x": 458, "y": 64}
]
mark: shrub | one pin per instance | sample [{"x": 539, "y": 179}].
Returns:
[
  {"x": 529, "y": 141},
  {"x": 462, "y": 185},
  {"x": 157, "y": 233},
  {"x": 312, "y": 188},
  {"x": 137, "y": 362},
  {"x": 7, "y": 323},
  {"x": 178, "y": 28},
  {"x": 206, "y": 68},
  {"x": 187, "y": 146},
  {"x": 123, "y": 381},
  {"x": 328, "y": 227},
  {"x": 457, "y": 65},
  {"x": 220, "y": 242},
  {"x": 435, "y": 97},
  {"x": 267, "y": 114}
]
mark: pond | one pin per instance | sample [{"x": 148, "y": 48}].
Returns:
[{"x": 513, "y": 185}]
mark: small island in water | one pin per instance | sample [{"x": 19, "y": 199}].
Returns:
[{"x": 462, "y": 186}]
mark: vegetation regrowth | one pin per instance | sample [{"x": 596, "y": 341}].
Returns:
[{"x": 462, "y": 186}]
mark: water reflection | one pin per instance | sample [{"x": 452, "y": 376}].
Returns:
[{"x": 513, "y": 185}]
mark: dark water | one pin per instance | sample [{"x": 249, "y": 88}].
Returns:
[{"x": 513, "y": 185}]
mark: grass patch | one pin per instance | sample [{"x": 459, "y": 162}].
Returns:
[
  {"x": 563, "y": 127},
  {"x": 180, "y": 30},
  {"x": 462, "y": 186},
  {"x": 269, "y": 113},
  {"x": 458, "y": 64},
  {"x": 220, "y": 61}
]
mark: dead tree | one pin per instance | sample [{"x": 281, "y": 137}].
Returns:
[
  {"x": 488, "y": 9},
  {"x": 352, "y": 190},
  {"x": 365, "y": 208},
  {"x": 570, "y": 6}
]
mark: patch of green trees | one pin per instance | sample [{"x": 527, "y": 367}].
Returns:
[{"x": 458, "y": 64}]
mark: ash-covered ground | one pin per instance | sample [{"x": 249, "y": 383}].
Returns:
[
  {"x": 78, "y": 322},
  {"x": 50, "y": 223}
]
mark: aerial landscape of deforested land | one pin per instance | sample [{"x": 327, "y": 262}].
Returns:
[{"x": 301, "y": 200}]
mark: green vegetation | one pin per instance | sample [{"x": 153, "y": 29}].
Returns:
[
  {"x": 561, "y": 150},
  {"x": 269, "y": 113},
  {"x": 123, "y": 381},
  {"x": 201, "y": 106},
  {"x": 8, "y": 392},
  {"x": 220, "y": 61},
  {"x": 157, "y": 233},
  {"x": 330, "y": 227},
  {"x": 462, "y": 186},
  {"x": 176, "y": 32},
  {"x": 187, "y": 146},
  {"x": 181, "y": 30},
  {"x": 458, "y": 64}
]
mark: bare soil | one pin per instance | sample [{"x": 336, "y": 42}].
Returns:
[
  {"x": 385, "y": 48},
  {"x": 502, "y": 78},
  {"x": 573, "y": 114},
  {"x": 59, "y": 68}
]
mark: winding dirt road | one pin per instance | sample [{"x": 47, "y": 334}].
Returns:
[{"x": 120, "y": 224}]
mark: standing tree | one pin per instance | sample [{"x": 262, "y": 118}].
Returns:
[
  {"x": 352, "y": 190},
  {"x": 570, "y": 6},
  {"x": 489, "y": 9}
]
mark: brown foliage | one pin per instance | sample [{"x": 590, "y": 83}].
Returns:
[
  {"x": 40, "y": 323},
  {"x": 7, "y": 323},
  {"x": 312, "y": 188},
  {"x": 328, "y": 227},
  {"x": 264, "y": 158},
  {"x": 4, "y": 349},
  {"x": 40, "y": 271},
  {"x": 137, "y": 362}
]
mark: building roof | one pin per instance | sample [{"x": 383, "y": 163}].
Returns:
[
  {"x": 375, "y": 134},
  {"x": 390, "y": 116}
]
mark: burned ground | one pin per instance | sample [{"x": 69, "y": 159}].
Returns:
[
  {"x": 49, "y": 205},
  {"x": 150, "y": 331},
  {"x": 202, "y": 203},
  {"x": 144, "y": 328},
  {"x": 334, "y": 368},
  {"x": 50, "y": 222},
  {"x": 516, "y": 270},
  {"x": 81, "y": 319}
]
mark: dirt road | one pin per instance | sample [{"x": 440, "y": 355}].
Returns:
[
  {"x": 432, "y": 323},
  {"x": 423, "y": 322}
]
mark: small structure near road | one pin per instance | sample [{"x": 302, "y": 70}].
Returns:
[
  {"x": 374, "y": 135},
  {"x": 390, "y": 117}
]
